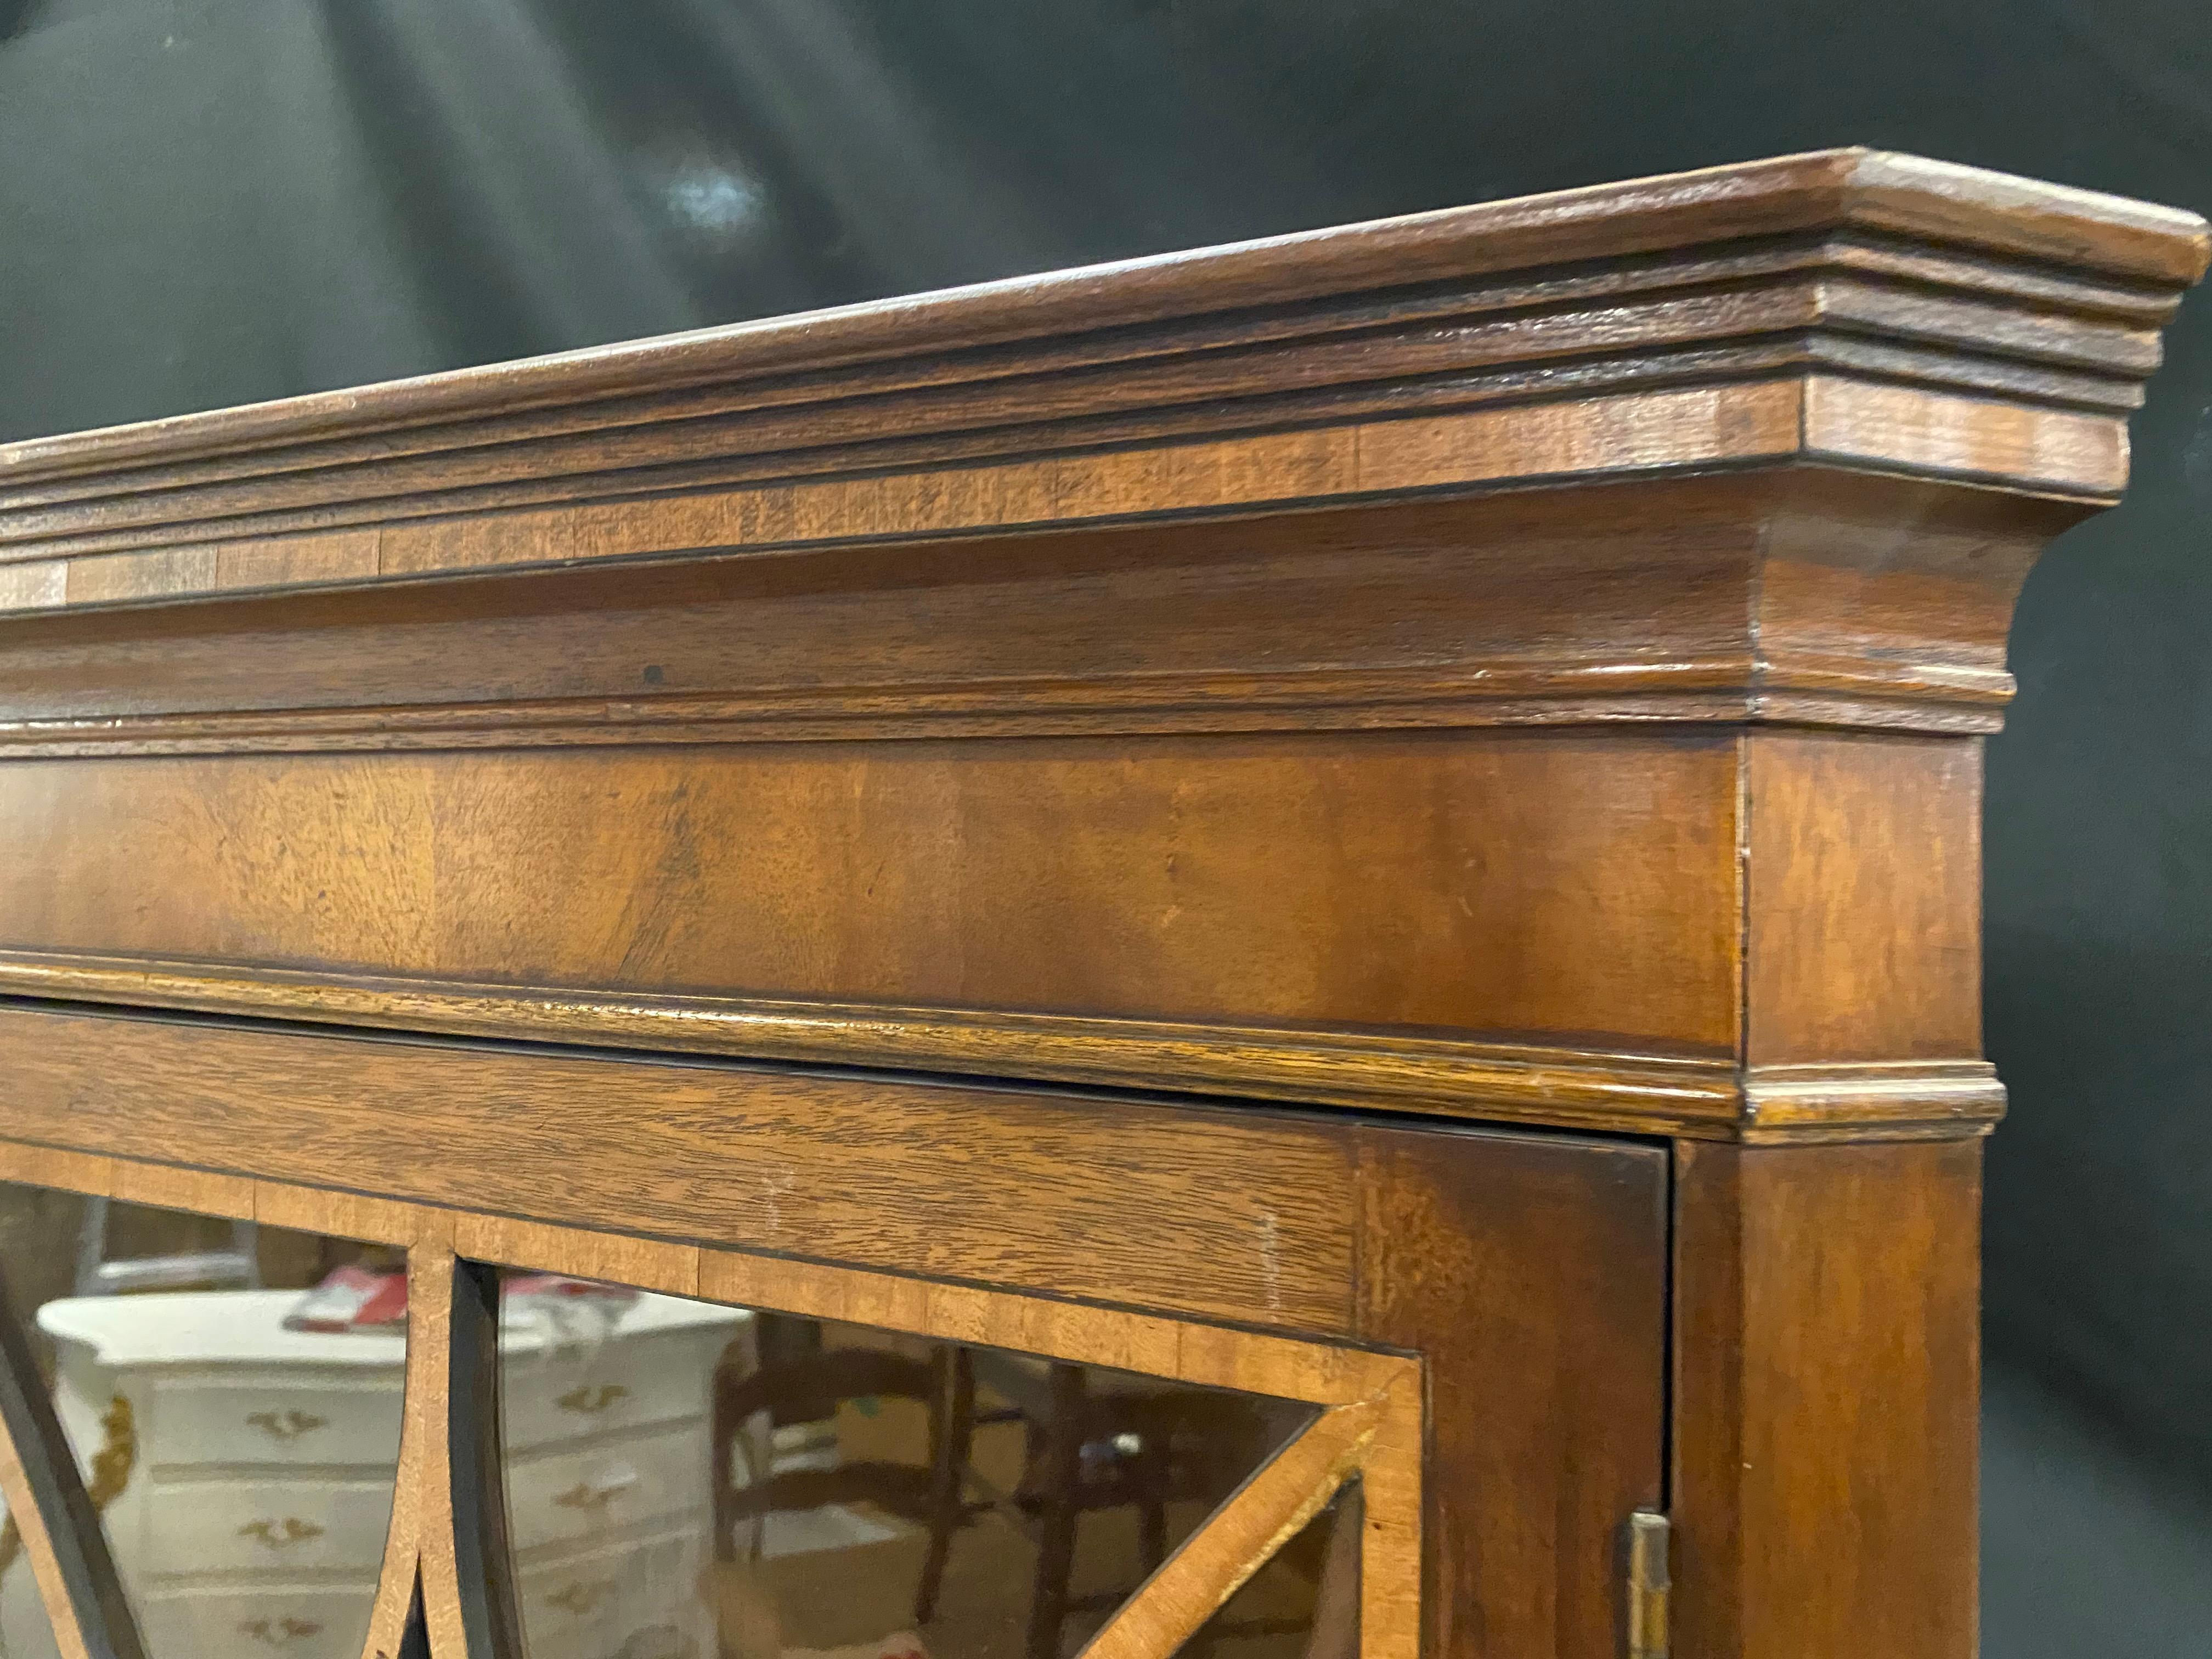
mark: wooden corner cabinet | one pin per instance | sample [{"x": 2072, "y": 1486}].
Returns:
[{"x": 1270, "y": 952}]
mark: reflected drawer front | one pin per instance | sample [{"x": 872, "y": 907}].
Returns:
[
  {"x": 247, "y": 1422},
  {"x": 639, "y": 1599},
  {"x": 222, "y": 1526},
  {"x": 662, "y": 1616},
  {"x": 288, "y": 1624},
  {"x": 573, "y": 1496},
  {"x": 570, "y": 1610},
  {"x": 660, "y": 1378}
]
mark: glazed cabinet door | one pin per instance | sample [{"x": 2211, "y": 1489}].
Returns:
[{"x": 704, "y": 1359}]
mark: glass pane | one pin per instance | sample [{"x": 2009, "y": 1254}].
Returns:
[
  {"x": 233, "y": 1395},
  {"x": 690, "y": 1480},
  {"x": 23, "y": 1626},
  {"x": 1302, "y": 1604}
]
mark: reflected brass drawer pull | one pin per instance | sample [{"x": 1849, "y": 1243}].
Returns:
[
  {"x": 286, "y": 1426},
  {"x": 588, "y": 1400},
  {"x": 281, "y": 1534},
  {"x": 580, "y": 1597},
  {"x": 279, "y": 1632},
  {"x": 591, "y": 1499}
]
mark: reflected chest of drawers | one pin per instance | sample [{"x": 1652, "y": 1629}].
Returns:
[
  {"x": 245, "y": 1470},
  {"x": 1388, "y": 818}
]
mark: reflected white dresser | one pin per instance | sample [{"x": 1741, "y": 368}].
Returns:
[{"x": 245, "y": 1471}]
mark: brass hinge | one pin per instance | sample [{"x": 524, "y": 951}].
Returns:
[{"x": 1648, "y": 1585}]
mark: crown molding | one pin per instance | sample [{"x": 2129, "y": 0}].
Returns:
[{"x": 1866, "y": 311}]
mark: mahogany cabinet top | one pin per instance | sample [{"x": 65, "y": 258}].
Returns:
[
  {"x": 1877, "y": 311},
  {"x": 1521, "y": 662}
]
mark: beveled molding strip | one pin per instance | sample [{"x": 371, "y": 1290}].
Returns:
[
  {"x": 1868, "y": 310},
  {"x": 1637, "y": 1093},
  {"x": 445, "y": 1578},
  {"x": 1855, "y": 424},
  {"x": 1927, "y": 225},
  {"x": 1870, "y": 695}
]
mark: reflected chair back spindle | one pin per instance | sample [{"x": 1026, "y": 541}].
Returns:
[{"x": 799, "y": 1389}]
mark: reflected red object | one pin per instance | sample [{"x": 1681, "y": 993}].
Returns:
[{"x": 352, "y": 1299}]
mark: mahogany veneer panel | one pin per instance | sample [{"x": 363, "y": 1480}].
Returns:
[
  {"x": 1805, "y": 594},
  {"x": 1865, "y": 919},
  {"x": 1497, "y": 884},
  {"x": 1213, "y": 1213},
  {"x": 1827, "y": 1374},
  {"x": 1532, "y": 1274}
]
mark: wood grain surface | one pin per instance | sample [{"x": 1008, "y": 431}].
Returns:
[
  {"x": 1220, "y": 1212},
  {"x": 1525, "y": 663},
  {"x": 1585, "y": 885},
  {"x": 1533, "y": 1272},
  {"x": 1864, "y": 913},
  {"x": 1878, "y": 309},
  {"x": 1217, "y": 806},
  {"x": 1827, "y": 1314},
  {"x": 1557, "y": 931},
  {"x": 1806, "y": 595},
  {"x": 418, "y": 1607},
  {"x": 1585, "y": 1088},
  {"x": 1775, "y": 423}
]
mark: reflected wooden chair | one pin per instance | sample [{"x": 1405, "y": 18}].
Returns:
[
  {"x": 810, "y": 1387},
  {"x": 1095, "y": 1440},
  {"x": 1100, "y": 1440}
]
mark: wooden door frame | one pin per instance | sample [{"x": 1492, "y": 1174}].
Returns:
[{"x": 1372, "y": 1370}]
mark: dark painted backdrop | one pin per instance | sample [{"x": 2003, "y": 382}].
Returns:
[{"x": 207, "y": 202}]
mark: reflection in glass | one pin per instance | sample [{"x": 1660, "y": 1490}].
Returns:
[
  {"x": 24, "y": 1627},
  {"x": 233, "y": 1395},
  {"x": 690, "y": 1481}
]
